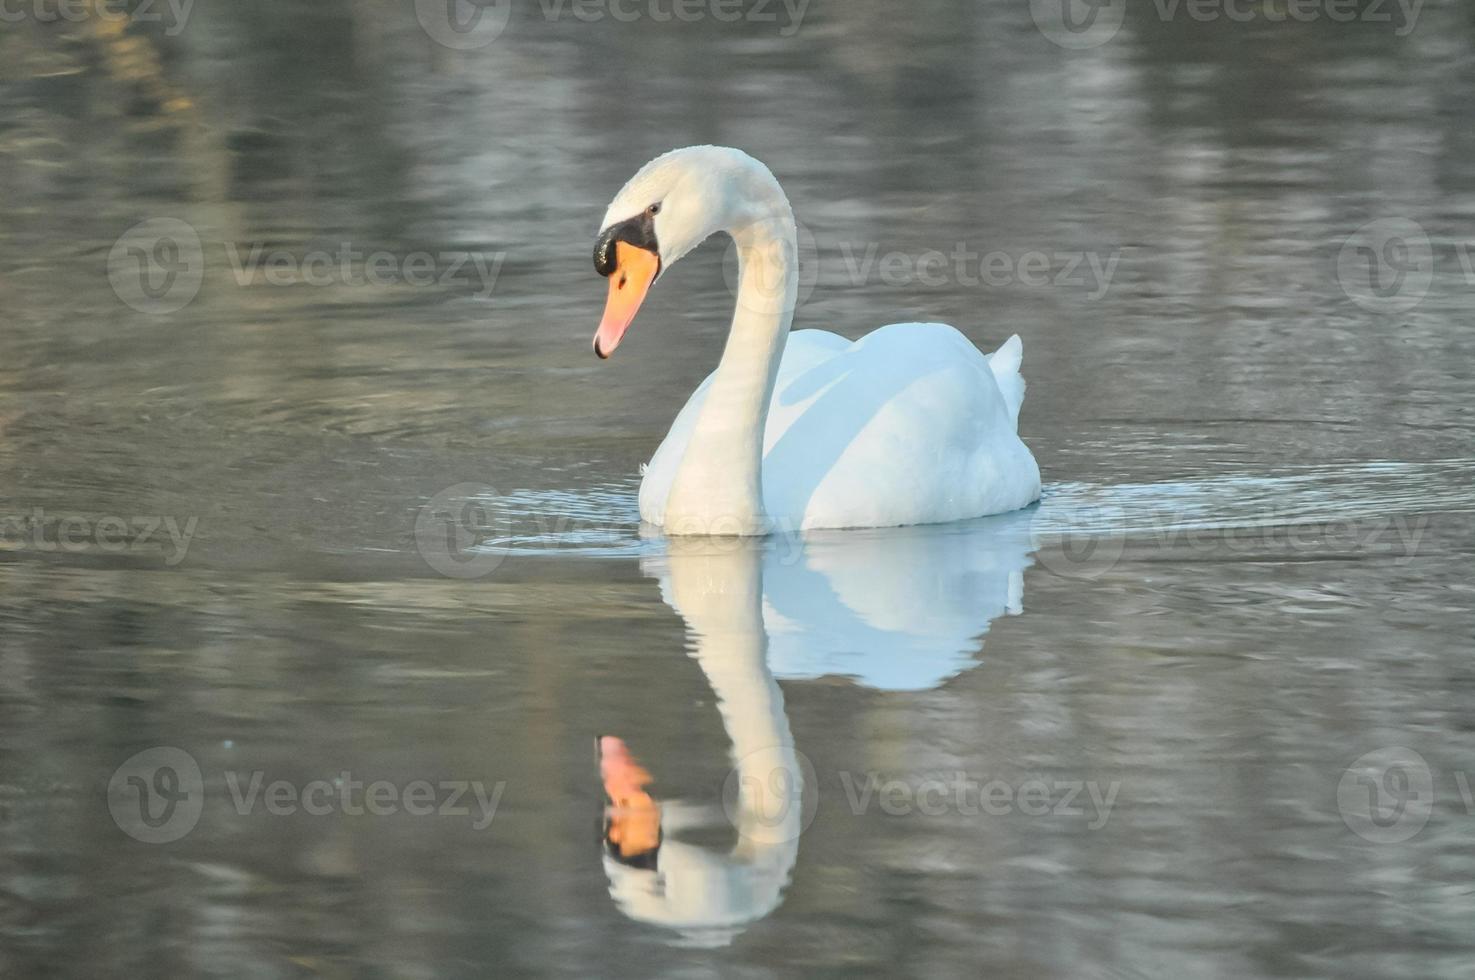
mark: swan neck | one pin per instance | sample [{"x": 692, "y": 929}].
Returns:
[{"x": 718, "y": 487}]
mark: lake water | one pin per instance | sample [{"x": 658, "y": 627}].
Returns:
[{"x": 286, "y": 513}]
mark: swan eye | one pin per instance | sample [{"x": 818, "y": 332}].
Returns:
[{"x": 653, "y": 210}]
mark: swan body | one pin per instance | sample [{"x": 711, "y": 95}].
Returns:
[{"x": 911, "y": 424}]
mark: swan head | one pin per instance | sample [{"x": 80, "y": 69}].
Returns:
[{"x": 668, "y": 208}]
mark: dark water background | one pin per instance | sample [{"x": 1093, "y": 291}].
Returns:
[{"x": 1252, "y": 565}]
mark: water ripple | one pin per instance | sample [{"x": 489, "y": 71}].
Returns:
[{"x": 604, "y": 520}]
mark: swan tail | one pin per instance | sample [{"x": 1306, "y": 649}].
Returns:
[{"x": 1005, "y": 362}]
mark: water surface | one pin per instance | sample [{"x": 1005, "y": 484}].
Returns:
[{"x": 1251, "y": 566}]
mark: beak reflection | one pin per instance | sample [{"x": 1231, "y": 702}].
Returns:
[{"x": 632, "y": 817}]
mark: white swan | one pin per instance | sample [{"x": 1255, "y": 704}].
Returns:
[{"x": 909, "y": 425}]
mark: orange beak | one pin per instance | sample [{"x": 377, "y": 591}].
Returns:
[
  {"x": 632, "y": 816},
  {"x": 635, "y": 270}
]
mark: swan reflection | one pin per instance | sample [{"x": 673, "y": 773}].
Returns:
[{"x": 894, "y": 609}]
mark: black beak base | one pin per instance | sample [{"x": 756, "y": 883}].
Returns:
[{"x": 639, "y": 231}]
